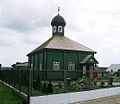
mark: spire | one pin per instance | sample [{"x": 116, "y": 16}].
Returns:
[{"x": 58, "y": 10}]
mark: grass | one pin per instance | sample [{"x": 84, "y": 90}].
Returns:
[{"x": 7, "y": 96}]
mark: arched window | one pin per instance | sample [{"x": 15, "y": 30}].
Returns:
[
  {"x": 59, "y": 28},
  {"x": 71, "y": 66},
  {"x": 54, "y": 29}
]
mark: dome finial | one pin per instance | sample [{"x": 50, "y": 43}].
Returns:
[{"x": 58, "y": 10}]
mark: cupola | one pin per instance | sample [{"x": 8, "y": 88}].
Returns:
[{"x": 58, "y": 23}]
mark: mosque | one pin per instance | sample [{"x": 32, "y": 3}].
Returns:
[{"x": 60, "y": 53}]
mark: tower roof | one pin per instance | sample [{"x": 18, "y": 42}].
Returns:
[
  {"x": 63, "y": 43},
  {"x": 58, "y": 20}
]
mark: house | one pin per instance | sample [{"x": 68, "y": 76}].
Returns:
[
  {"x": 114, "y": 67},
  {"x": 60, "y": 53},
  {"x": 20, "y": 65},
  {"x": 101, "y": 70}
]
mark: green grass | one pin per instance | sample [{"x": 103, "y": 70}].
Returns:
[{"x": 7, "y": 96}]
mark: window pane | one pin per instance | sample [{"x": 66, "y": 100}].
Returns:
[
  {"x": 56, "y": 65},
  {"x": 71, "y": 66}
]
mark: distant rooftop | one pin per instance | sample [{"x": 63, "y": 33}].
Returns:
[{"x": 115, "y": 67}]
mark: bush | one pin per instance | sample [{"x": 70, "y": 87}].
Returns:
[
  {"x": 44, "y": 88},
  {"x": 95, "y": 83},
  {"x": 60, "y": 85},
  {"x": 102, "y": 83},
  {"x": 50, "y": 88},
  {"x": 37, "y": 83},
  {"x": 34, "y": 85},
  {"x": 80, "y": 84}
]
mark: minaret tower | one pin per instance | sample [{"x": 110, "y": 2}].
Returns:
[{"x": 58, "y": 23}]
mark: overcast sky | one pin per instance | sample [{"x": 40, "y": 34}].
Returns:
[{"x": 25, "y": 24}]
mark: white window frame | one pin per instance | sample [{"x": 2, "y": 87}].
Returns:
[
  {"x": 56, "y": 65},
  {"x": 54, "y": 29},
  {"x": 71, "y": 66},
  {"x": 60, "y": 28}
]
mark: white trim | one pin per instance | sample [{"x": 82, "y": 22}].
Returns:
[{"x": 60, "y": 28}]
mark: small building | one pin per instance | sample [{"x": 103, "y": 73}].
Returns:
[
  {"x": 101, "y": 70},
  {"x": 114, "y": 67},
  {"x": 20, "y": 65},
  {"x": 60, "y": 53}
]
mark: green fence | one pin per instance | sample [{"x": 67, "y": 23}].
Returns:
[{"x": 31, "y": 81}]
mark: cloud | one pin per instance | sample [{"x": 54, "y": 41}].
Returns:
[
  {"x": 24, "y": 16},
  {"x": 25, "y": 24}
]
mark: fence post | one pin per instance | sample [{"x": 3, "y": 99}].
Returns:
[
  {"x": 19, "y": 79},
  {"x": 13, "y": 78},
  {"x": 29, "y": 86},
  {"x": 90, "y": 76},
  {"x": 65, "y": 81}
]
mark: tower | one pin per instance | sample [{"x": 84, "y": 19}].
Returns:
[{"x": 58, "y": 23}]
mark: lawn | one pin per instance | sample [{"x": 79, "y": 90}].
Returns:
[{"x": 7, "y": 96}]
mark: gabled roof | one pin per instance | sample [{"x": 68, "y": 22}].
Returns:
[
  {"x": 62, "y": 42},
  {"x": 89, "y": 59},
  {"x": 114, "y": 67}
]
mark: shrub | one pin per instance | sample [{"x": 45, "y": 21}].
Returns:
[
  {"x": 102, "y": 83},
  {"x": 50, "y": 87},
  {"x": 60, "y": 85},
  {"x": 44, "y": 88},
  {"x": 80, "y": 84},
  {"x": 34, "y": 85},
  {"x": 95, "y": 83},
  {"x": 37, "y": 83}
]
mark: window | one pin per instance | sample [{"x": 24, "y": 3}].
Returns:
[
  {"x": 59, "y": 28},
  {"x": 54, "y": 29},
  {"x": 56, "y": 65},
  {"x": 40, "y": 67},
  {"x": 71, "y": 66}
]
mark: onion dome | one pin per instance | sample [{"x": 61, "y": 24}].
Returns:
[{"x": 58, "y": 20}]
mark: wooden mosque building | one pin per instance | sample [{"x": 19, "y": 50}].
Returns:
[{"x": 61, "y": 53}]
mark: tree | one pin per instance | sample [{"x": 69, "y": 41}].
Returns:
[{"x": 0, "y": 66}]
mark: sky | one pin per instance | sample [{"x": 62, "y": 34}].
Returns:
[{"x": 26, "y": 24}]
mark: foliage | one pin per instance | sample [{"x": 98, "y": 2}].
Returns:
[
  {"x": 95, "y": 83},
  {"x": 37, "y": 83},
  {"x": 44, "y": 88},
  {"x": 80, "y": 84},
  {"x": 102, "y": 83},
  {"x": 118, "y": 73},
  {"x": 60, "y": 85},
  {"x": 50, "y": 87}
]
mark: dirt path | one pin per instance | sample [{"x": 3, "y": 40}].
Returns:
[{"x": 107, "y": 100}]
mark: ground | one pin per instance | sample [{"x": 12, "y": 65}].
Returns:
[
  {"x": 106, "y": 100},
  {"x": 7, "y": 96}
]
